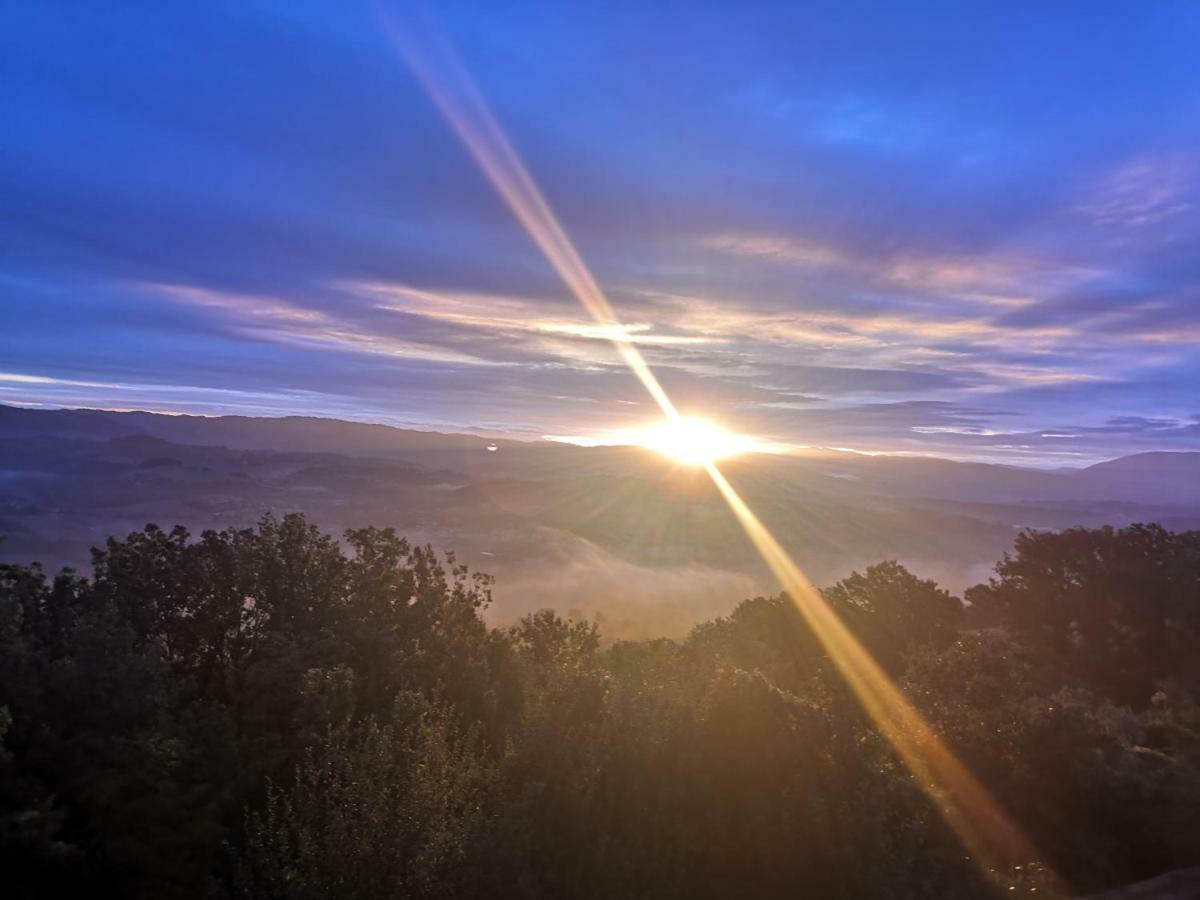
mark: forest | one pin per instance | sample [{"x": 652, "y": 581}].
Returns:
[{"x": 278, "y": 713}]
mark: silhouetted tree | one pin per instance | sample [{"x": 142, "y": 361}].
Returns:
[
  {"x": 1117, "y": 609},
  {"x": 267, "y": 712}
]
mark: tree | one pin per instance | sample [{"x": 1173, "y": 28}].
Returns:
[
  {"x": 891, "y": 611},
  {"x": 374, "y": 811},
  {"x": 1117, "y": 609},
  {"x": 270, "y": 713}
]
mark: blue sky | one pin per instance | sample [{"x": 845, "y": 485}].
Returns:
[{"x": 968, "y": 229}]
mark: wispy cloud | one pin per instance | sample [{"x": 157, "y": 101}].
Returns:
[
  {"x": 513, "y": 314},
  {"x": 773, "y": 247},
  {"x": 1144, "y": 192},
  {"x": 276, "y": 319},
  {"x": 812, "y": 244}
]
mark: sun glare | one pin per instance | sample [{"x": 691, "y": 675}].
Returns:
[
  {"x": 971, "y": 811},
  {"x": 692, "y": 441}
]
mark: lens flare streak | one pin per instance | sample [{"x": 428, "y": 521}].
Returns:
[
  {"x": 991, "y": 837},
  {"x": 977, "y": 819},
  {"x": 453, "y": 91}
]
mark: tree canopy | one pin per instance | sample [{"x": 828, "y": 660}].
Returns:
[{"x": 272, "y": 713}]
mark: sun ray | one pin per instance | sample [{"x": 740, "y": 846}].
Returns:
[
  {"x": 978, "y": 820},
  {"x": 990, "y": 836},
  {"x": 443, "y": 76}
]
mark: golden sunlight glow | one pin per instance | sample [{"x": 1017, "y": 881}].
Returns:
[
  {"x": 992, "y": 838},
  {"x": 691, "y": 441}
]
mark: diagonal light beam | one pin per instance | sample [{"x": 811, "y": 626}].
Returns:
[
  {"x": 978, "y": 820},
  {"x": 990, "y": 836},
  {"x": 443, "y": 76}
]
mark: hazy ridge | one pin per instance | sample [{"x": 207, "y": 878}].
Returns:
[{"x": 559, "y": 525}]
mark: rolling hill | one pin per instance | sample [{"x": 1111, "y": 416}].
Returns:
[{"x": 618, "y": 532}]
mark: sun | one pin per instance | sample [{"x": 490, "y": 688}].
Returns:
[
  {"x": 688, "y": 440},
  {"x": 692, "y": 441}
]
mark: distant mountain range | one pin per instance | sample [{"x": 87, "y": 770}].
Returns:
[
  {"x": 303, "y": 434},
  {"x": 616, "y": 531}
]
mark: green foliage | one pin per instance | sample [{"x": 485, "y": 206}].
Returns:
[
  {"x": 1110, "y": 794},
  {"x": 268, "y": 713},
  {"x": 891, "y": 611},
  {"x": 375, "y": 811},
  {"x": 1117, "y": 609}
]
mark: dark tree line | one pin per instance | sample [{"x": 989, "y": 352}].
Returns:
[{"x": 266, "y": 713}]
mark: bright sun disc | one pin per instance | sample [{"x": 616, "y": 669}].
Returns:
[{"x": 693, "y": 442}]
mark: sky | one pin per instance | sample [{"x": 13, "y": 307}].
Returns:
[{"x": 964, "y": 229}]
